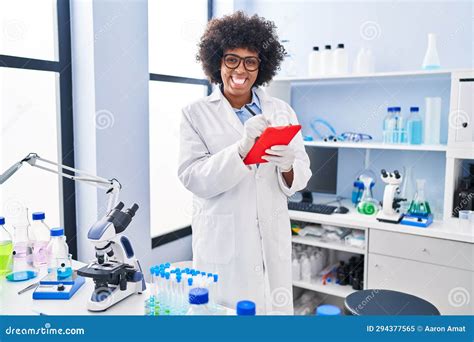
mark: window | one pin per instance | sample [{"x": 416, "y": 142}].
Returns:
[
  {"x": 176, "y": 79},
  {"x": 36, "y": 109}
]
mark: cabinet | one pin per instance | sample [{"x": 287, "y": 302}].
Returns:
[{"x": 439, "y": 271}]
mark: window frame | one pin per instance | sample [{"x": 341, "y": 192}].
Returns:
[
  {"x": 66, "y": 147},
  {"x": 186, "y": 231}
]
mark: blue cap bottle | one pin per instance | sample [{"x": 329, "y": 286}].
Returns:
[{"x": 245, "y": 308}]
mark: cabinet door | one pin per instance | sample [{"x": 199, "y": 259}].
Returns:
[
  {"x": 449, "y": 289},
  {"x": 465, "y": 114}
]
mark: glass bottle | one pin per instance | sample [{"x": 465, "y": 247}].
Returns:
[
  {"x": 22, "y": 240},
  {"x": 6, "y": 249},
  {"x": 414, "y": 127}
]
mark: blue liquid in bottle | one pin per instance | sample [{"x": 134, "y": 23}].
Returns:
[{"x": 415, "y": 127}]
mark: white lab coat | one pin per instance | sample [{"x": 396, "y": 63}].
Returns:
[{"x": 241, "y": 228}]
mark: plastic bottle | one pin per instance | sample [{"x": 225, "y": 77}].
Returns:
[
  {"x": 431, "y": 60},
  {"x": 198, "y": 300},
  {"x": 326, "y": 60},
  {"x": 42, "y": 236},
  {"x": 314, "y": 62},
  {"x": 6, "y": 249},
  {"x": 305, "y": 269},
  {"x": 296, "y": 270},
  {"x": 57, "y": 249},
  {"x": 288, "y": 66},
  {"x": 314, "y": 265},
  {"x": 245, "y": 308},
  {"x": 341, "y": 60},
  {"x": 414, "y": 127}
]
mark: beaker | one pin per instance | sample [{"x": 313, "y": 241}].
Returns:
[{"x": 419, "y": 206}]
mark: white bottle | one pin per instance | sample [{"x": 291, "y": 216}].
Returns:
[
  {"x": 364, "y": 62},
  {"x": 314, "y": 62},
  {"x": 198, "y": 300},
  {"x": 305, "y": 269},
  {"x": 431, "y": 60},
  {"x": 314, "y": 265},
  {"x": 42, "y": 236},
  {"x": 326, "y": 60},
  {"x": 341, "y": 60},
  {"x": 296, "y": 270},
  {"x": 57, "y": 248}
]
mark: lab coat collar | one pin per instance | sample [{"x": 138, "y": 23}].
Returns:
[{"x": 218, "y": 98}]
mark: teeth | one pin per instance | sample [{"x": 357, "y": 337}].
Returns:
[{"x": 238, "y": 80}]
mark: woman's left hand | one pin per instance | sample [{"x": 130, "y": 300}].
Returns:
[{"x": 283, "y": 156}]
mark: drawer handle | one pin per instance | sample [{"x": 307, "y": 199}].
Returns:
[{"x": 424, "y": 250}]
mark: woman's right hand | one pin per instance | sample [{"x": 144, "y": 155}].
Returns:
[{"x": 253, "y": 128}]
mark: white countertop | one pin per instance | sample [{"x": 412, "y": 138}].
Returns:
[
  {"x": 11, "y": 303},
  {"x": 438, "y": 229}
]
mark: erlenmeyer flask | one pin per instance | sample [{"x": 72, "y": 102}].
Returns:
[
  {"x": 419, "y": 206},
  {"x": 22, "y": 242}
]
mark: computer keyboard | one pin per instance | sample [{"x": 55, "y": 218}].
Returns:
[{"x": 312, "y": 208}]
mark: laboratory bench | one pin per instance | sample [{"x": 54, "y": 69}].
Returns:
[{"x": 11, "y": 303}]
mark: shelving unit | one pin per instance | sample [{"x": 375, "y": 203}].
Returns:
[
  {"x": 377, "y": 146},
  {"x": 316, "y": 242},
  {"x": 391, "y": 74},
  {"x": 460, "y": 146},
  {"x": 329, "y": 289}
]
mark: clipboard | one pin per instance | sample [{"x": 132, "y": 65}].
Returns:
[{"x": 271, "y": 136}]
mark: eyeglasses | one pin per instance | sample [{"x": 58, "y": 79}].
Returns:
[{"x": 233, "y": 61}]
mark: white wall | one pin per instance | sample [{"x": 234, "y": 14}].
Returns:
[
  {"x": 110, "y": 84},
  {"x": 396, "y": 31}
]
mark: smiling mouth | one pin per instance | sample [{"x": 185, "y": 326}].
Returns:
[{"x": 238, "y": 82}]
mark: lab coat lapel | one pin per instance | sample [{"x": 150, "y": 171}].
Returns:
[
  {"x": 266, "y": 103},
  {"x": 225, "y": 110}
]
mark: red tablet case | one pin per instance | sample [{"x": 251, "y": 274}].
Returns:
[{"x": 271, "y": 136}]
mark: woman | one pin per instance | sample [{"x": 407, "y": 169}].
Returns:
[{"x": 241, "y": 228}]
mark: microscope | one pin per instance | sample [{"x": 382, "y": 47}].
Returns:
[
  {"x": 117, "y": 274},
  {"x": 391, "y": 204}
]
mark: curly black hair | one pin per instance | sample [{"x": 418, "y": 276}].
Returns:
[{"x": 240, "y": 31}]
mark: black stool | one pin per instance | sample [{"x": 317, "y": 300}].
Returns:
[{"x": 387, "y": 303}]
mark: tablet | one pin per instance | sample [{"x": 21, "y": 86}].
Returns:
[{"x": 271, "y": 136}]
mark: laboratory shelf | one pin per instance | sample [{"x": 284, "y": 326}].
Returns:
[
  {"x": 377, "y": 146},
  {"x": 339, "y": 246},
  {"x": 394, "y": 74},
  {"x": 330, "y": 288}
]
